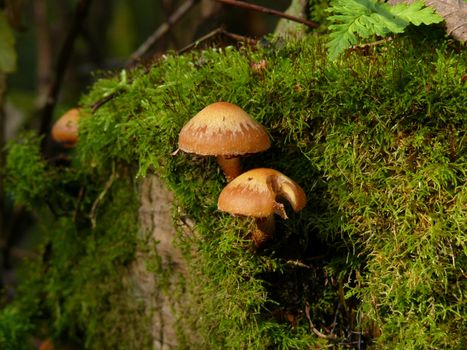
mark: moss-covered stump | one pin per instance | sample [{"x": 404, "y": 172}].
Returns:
[{"x": 376, "y": 259}]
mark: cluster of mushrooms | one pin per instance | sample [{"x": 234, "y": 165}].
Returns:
[{"x": 227, "y": 132}]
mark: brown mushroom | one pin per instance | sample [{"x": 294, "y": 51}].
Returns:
[
  {"x": 226, "y": 131},
  {"x": 254, "y": 194},
  {"x": 65, "y": 129}
]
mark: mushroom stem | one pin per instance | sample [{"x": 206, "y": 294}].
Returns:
[
  {"x": 265, "y": 228},
  {"x": 230, "y": 166}
]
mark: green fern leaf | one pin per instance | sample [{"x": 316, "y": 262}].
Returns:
[
  {"x": 416, "y": 13},
  {"x": 360, "y": 19}
]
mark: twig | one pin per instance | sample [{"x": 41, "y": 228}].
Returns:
[
  {"x": 162, "y": 30},
  {"x": 198, "y": 41},
  {"x": 269, "y": 11},
  {"x": 334, "y": 321},
  {"x": 214, "y": 33},
  {"x": 240, "y": 37},
  {"x": 373, "y": 43},
  {"x": 108, "y": 96},
  {"x": 312, "y": 327},
  {"x": 96, "y": 105},
  {"x": 297, "y": 263},
  {"x": 167, "y": 9},
  {"x": 101, "y": 196},
  {"x": 78, "y": 202},
  {"x": 341, "y": 295},
  {"x": 63, "y": 59}
]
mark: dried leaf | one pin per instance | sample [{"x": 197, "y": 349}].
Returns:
[{"x": 454, "y": 13}]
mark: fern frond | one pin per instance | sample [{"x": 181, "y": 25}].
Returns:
[
  {"x": 416, "y": 13},
  {"x": 359, "y": 19}
]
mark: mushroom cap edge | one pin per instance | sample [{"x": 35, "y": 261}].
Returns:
[{"x": 223, "y": 129}]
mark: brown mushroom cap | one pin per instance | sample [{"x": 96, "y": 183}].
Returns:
[
  {"x": 254, "y": 193},
  {"x": 65, "y": 129},
  {"x": 223, "y": 129}
]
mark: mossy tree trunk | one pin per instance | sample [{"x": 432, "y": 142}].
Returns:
[{"x": 158, "y": 291}]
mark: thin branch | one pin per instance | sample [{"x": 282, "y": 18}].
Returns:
[
  {"x": 100, "y": 197},
  {"x": 269, "y": 11},
  {"x": 167, "y": 9},
  {"x": 82, "y": 190},
  {"x": 214, "y": 33},
  {"x": 341, "y": 295},
  {"x": 63, "y": 59},
  {"x": 198, "y": 41},
  {"x": 161, "y": 31},
  {"x": 96, "y": 105},
  {"x": 297, "y": 263},
  {"x": 239, "y": 37},
  {"x": 312, "y": 327},
  {"x": 374, "y": 43}
]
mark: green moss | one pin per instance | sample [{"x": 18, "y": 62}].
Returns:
[
  {"x": 15, "y": 328},
  {"x": 74, "y": 292},
  {"x": 27, "y": 177},
  {"x": 377, "y": 140},
  {"x": 85, "y": 292}
]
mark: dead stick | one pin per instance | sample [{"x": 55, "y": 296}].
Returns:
[
  {"x": 167, "y": 9},
  {"x": 312, "y": 327},
  {"x": 240, "y": 37},
  {"x": 63, "y": 59},
  {"x": 100, "y": 197},
  {"x": 269, "y": 11},
  {"x": 96, "y": 105},
  {"x": 162, "y": 30},
  {"x": 212, "y": 34},
  {"x": 200, "y": 40},
  {"x": 373, "y": 43}
]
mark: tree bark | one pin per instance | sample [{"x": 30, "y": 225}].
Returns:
[
  {"x": 287, "y": 28},
  {"x": 157, "y": 289}
]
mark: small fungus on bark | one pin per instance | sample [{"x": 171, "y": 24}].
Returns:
[
  {"x": 226, "y": 131},
  {"x": 255, "y": 193},
  {"x": 65, "y": 129}
]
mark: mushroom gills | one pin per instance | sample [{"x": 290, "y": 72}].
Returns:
[
  {"x": 258, "y": 193},
  {"x": 286, "y": 189}
]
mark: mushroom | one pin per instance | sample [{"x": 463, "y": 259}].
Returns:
[
  {"x": 65, "y": 129},
  {"x": 226, "y": 131},
  {"x": 254, "y": 194}
]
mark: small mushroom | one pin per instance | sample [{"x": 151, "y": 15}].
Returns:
[
  {"x": 226, "y": 131},
  {"x": 65, "y": 129},
  {"x": 254, "y": 194}
]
